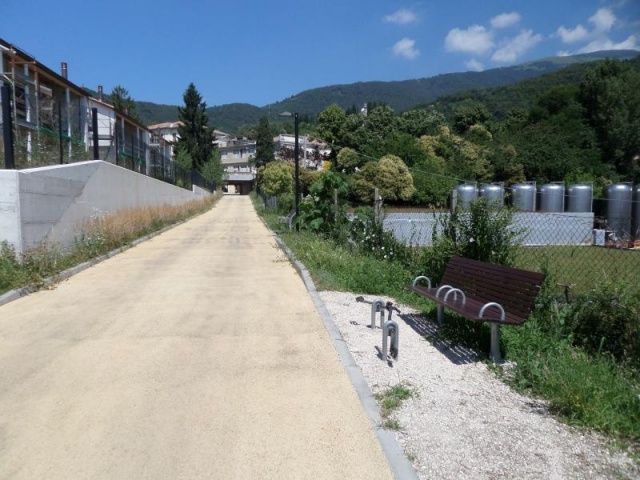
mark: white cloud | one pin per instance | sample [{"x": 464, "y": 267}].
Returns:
[
  {"x": 475, "y": 39},
  {"x": 474, "y": 65},
  {"x": 402, "y": 17},
  {"x": 505, "y": 20},
  {"x": 516, "y": 47},
  {"x": 406, "y": 48},
  {"x": 603, "y": 20},
  {"x": 570, "y": 36},
  {"x": 604, "y": 43}
]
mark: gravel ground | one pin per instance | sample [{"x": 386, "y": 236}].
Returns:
[{"x": 463, "y": 422}]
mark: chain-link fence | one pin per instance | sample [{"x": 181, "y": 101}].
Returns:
[
  {"x": 578, "y": 250},
  {"x": 47, "y": 130}
]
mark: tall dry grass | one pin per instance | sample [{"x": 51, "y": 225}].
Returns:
[{"x": 96, "y": 236}]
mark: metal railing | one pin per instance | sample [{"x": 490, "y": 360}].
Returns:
[{"x": 42, "y": 131}]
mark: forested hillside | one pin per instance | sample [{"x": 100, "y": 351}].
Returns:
[
  {"x": 583, "y": 130},
  {"x": 400, "y": 95}
]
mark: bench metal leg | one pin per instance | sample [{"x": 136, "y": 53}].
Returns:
[
  {"x": 495, "y": 343},
  {"x": 440, "y": 316}
]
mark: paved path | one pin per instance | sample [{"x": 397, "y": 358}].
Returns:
[{"x": 197, "y": 354}]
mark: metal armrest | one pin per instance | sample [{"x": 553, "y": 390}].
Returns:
[
  {"x": 455, "y": 292},
  {"x": 443, "y": 287},
  {"x": 489, "y": 305},
  {"x": 421, "y": 277}
]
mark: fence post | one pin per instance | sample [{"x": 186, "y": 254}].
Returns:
[
  {"x": 335, "y": 205},
  {"x": 377, "y": 202},
  {"x": 7, "y": 128},
  {"x": 96, "y": 145}
]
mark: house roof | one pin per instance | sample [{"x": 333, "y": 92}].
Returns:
[{"x": 158, "y": 126}]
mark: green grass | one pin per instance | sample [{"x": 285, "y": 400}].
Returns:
[
  {"x": 390, "y": 399},
  {"x": 589, "y": 391},
  {"x": 582, "y": 266}
]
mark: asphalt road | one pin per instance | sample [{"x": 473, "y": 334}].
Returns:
[{"x": 196, "y": 354}]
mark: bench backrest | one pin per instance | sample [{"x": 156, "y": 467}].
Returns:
[{"x": 513, "y": 288}]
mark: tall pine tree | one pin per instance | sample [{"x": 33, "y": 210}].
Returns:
[
  {"x": 195, "y": 136},
  {"x": 264, "y": 143}
]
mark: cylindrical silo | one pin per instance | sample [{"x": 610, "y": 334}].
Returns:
[
  {"x": 466, "y": 194},
  {"x": 619, "y": 209},
  {"x": 580, "y": 198},
  {"x": 552, "y": 197},
  {"x": 635, "y": 224},
  {"x": 524, "y": 196},
  {"x": 494, "y": 193}
]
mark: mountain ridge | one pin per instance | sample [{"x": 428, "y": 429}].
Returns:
[{"x": 399, "y": 94}]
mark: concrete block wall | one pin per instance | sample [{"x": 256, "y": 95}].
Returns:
[{"x": 49, "y": 204}]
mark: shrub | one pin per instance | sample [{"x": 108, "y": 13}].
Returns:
[
  {"x": 480, "y": 233},
  {"x": 367, "y": 234},
  {"x": 607, "y": 320},
  {"x": 318, "y": 212}
]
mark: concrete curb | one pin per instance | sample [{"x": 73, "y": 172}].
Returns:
[{"x": 400, "y": 465}]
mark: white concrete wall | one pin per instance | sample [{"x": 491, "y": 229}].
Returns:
[
  {"x": 49, "y": 204},
  {"x": 9, "y": 208}
]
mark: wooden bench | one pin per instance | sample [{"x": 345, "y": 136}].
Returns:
[{"x": 483, "y": 292}]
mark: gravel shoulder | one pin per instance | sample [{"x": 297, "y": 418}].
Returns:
[{"x": 463, "y": 422}]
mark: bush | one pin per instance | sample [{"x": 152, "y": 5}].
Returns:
[
  {"x": 318, "y": 212},
  {"x": 367, "y": 234},
  {"x": 607, "y": 319},
  {"x": 480, "y": 233}
]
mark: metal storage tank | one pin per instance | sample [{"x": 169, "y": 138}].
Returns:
[
  {"x": 635, "y": 224},
  {"x": 619, "y": 209},
  {"x": 524, "y": 196},
  {"x": 494, "y": 193},
  {"x": 552, "y": 197},
  {"x": 580, "y": 198},
  {"x": 466, "y": 194}
]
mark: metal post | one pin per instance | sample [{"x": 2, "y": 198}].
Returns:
[
  {"x": 297, "y": 171},
  {"x": 390, "y": 329},
  {"x": 60, "y": 133},
  {"x": 94, "y": 125},
  {"x": 377, "y": 306},
  {"x": 7, "y": 128},
  {"x": 377, "y": 202},
  {"x": 495, "y": 343}
]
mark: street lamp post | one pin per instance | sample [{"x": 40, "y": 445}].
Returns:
[{"x": 296, "y": 200}]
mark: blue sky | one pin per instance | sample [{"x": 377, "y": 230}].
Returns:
[{"x": 259, "y": 52}]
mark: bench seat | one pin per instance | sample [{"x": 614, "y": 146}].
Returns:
[{"x": 483, "y": 292}]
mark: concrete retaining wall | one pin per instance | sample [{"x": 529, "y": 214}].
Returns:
[{"x": 48, "y": 204}]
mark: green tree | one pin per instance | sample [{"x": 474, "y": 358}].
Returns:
[
  {"x": 212, "y": 169},
  {"x": 349, "y": 159},
  {"x": 389, "y": 174},
  {"x": 264, "y": 143},
  {"x": 122, "y": 102},
  {"x": 277, "y": 179},
  {"x": 195, "y": 135},
  {"x": 468, "y": 114},
  {"x": 421, "y": 121},
  {"x": 610, "y": 94},
  {"x": 183, "y": 159},
  {"x": 330, "y": 125}
]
